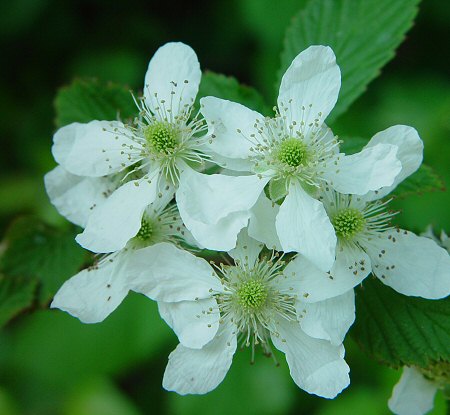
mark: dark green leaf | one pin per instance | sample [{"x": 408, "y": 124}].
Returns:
[
  {"x": 16, "y": 294},
  {"x": 363, "y": 34},
  {"x": 423, "y": 180},
  {"x": 227, "y": 87},
  {"x": 37, "y": 252},
  {"x": 398, "y": 330},
  {"x": 85, "y": 100}
]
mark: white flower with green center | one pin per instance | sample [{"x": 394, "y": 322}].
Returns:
[
  {"x": 367, "y": 242},
  {"x": 212, "y": 309},
  {"x": 295, "y": 153},
  {"x": 94, "y": 293},
  {"x": 163, "y": 140}
]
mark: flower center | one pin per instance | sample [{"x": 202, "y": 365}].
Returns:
[
  {"x": 252, "y": 295},
  {"x": 162, "y": 137},
  {"x": 348, "y": 222},
  {"x": 146, "y": 231},
  {"x": 292, "y": 152}
]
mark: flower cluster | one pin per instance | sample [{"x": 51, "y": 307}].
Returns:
[{"x": 297, "y": 222}]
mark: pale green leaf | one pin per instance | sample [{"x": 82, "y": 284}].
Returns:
[
  {"x": 363, "y": 34},
  {"x": 277, "y": 189}
]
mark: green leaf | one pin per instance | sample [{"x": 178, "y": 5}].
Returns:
[
  {"x": 37, "y": 252},
  {"x": 364, "y": 35},
  {"x": 85, "y": 100},
  {"x": 16, "y": 294},
  {"x": 398, "y": 330},
  {"x": 227, "y": 87},
  {"x": 423, "y": 180}
]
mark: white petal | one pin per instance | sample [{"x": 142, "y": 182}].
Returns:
[
  {"x": 233, "y": 164},
  {"x": 262, "y": 222},
  {"x": 370, "y": 169},
  {"x": 166, "y": 273},
  {"x": 312, "y": 82},
  {"x": 303, "y": 226},
  {"x": 231, "y": 127},
  {"x": 209, "y": 198},
  {"x": 194, "y": 322},
  {"x": 350, "y": 268},
  {"x": 411, "y": 264},
  {"x": 329, "y": 319},
  {"x": 94, "y": 293},
  {"x": 172, "y": 79},
  {"x": 413, "y": 394},
  {"x": 410, "y": 153},
  {"x": 92, "y": 149},
  {"x": 75, "y": 197},
  {"x": 114, "y": 223},
  {"x": 247, "y": 249},
  {"x": 221, "y": 236},
  {"x": 316, "y": 365},
  {"x": 198, "y": 371}
]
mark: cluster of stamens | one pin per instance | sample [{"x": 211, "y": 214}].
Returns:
[
  {"x": 355, "y": 221},
  {"x": 160, "y": 226},
  {"x": 252, "y": 300},
  {"x": 292, "y": 152},
  {"x": 348, "y": 222},
  {"x": 146, "y": 230},
  {"x": 296, "y": 150},
  {"x": 162, "y": 137}
]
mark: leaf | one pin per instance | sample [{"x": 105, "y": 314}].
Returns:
[
  {"x": 40, "y": 253},
  {"x": 85, "y": 100},
  {"x": 363, "y": 34},
  {"x": 16, "y": 294},
  {"x": 423, "y": 180},
  {"x": 227, "y": 87},
  {"x": 398, "y": 330}
]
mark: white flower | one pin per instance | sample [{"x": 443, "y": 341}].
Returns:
[
  {"x": 410, "y": 264},
  {"x": 250, "y": 302},
  {"x": 294, "y": 151},
  {"x": 94, "y": 293},
  {"x": 413, "y": 394},
  {"x": 153, "y": 150}
]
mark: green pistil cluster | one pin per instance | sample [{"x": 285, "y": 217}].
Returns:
[
  {"x": 348, "y": 222},
  {"x": 162, "y": 137},
  {"x": 292, "y": 152},
  {"x": 252, "y": 295},
  {"x": 146, "y": 231}
]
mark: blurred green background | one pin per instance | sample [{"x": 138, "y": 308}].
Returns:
[{"x": 50, "y": 363}]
